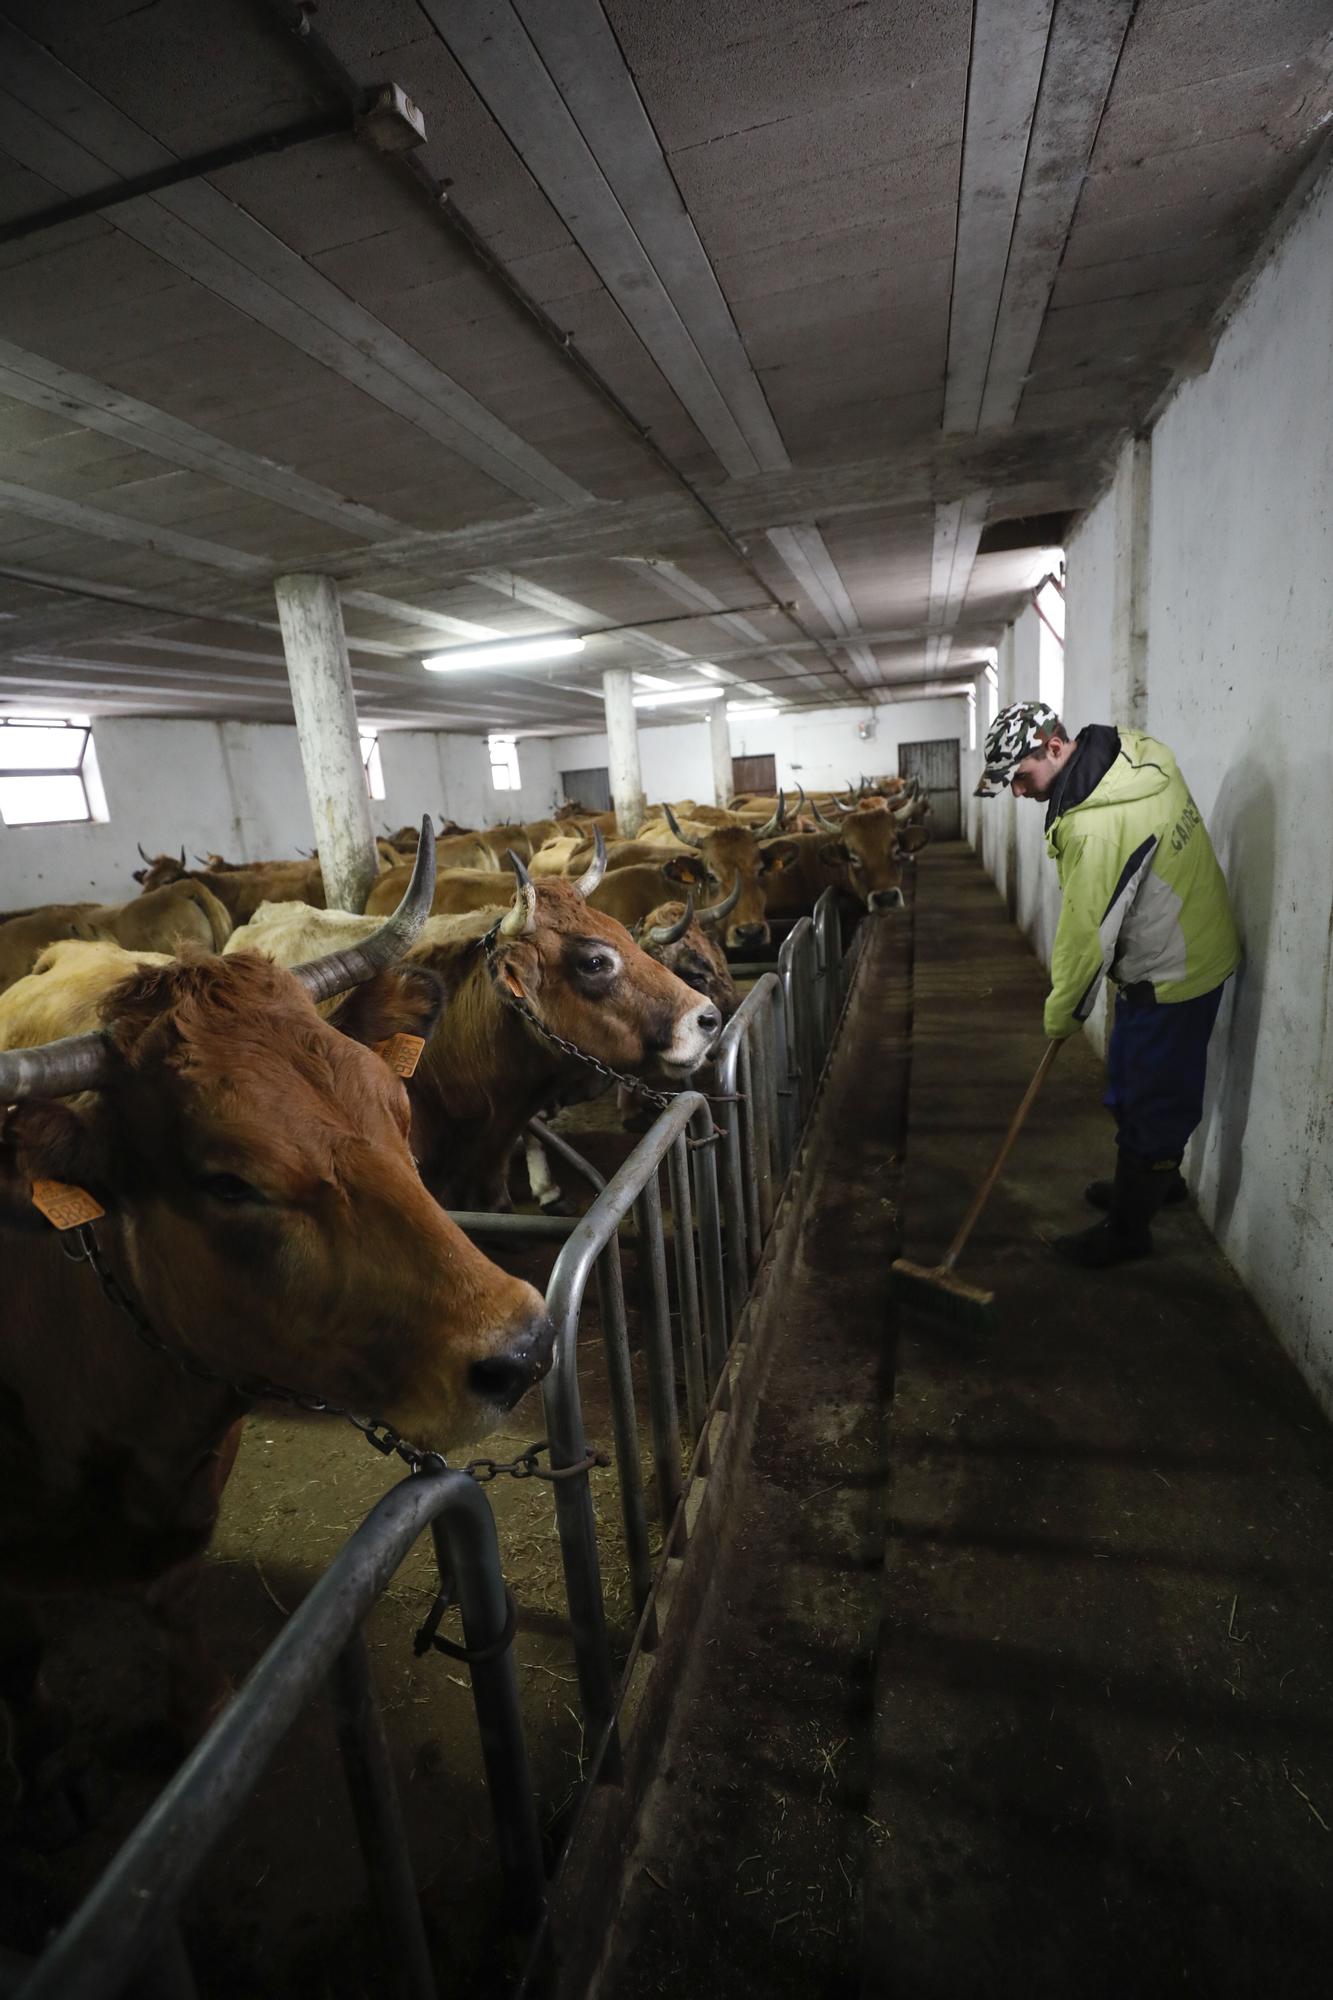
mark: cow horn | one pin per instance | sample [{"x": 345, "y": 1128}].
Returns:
[
  {"x": 715, "y": 912},
  {"x": 146, "y": 857},
  {"x": 672, "y": 933},
  {"x": 182, "y": 854},
  {"x": 777, "y": 822},
  {"x": 56, "y": 1069},
  {"x": 903, "y": 813},
  {"x": 596, "y": 868},
  {"x": 337, "y": 970},
  {"x": 687, "y": 839},
  {"x": 521, "y": 916},
  {"x": 829, "y": 825}
]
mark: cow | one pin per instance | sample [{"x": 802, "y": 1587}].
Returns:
[
  {"x": 548, "y": 964},
  {"x": 241, "y": 889},
  {"x": 860, "y": 857},
  {"x": 264, "y": 1220},
  {"x": 680, "y": 937},
  {"x": 730, "y": 856},
  {"x": 180, "y": 913}
]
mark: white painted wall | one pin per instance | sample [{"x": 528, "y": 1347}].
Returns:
[
  {"x": 1239, "y": 681},
  {"x": 238, "y": 788},
  {"x": 818, "y": 748}
]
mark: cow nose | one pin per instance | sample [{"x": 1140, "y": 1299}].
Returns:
[
  {"x": 709, "y": 1022},
  {"x": 506, "y": 1377},
  {"x": 750, "y": 934},
  {"x": 887, "y": 899}
]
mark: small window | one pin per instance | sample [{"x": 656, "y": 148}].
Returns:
[
  {"x": 504, "y": 762},
  {"x": 48, "y": 772},
  {"x": 1049, "y": 599},
  {"x": 370, "y": 758}
]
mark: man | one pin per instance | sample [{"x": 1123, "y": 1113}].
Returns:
[{"x": 1146, "y": 903}]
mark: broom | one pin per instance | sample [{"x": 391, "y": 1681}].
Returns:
[{"x": 935, "y": 1289}]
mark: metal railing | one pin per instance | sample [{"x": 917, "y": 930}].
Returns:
[
  {"x": 724, "y": 1182},
  {"x": 129, "y": 1920}
]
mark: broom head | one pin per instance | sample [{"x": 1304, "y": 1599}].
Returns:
[{"x": 942, "y": 1294}]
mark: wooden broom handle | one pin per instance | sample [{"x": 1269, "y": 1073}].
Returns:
[{"x": 982, "y": 1195}]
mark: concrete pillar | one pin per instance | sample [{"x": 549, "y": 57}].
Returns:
[
  {"x": 622, "y": 750},
  {"x": 321, "y": 678},
  {"x": 1129, "y": 613},
  {"x": 719, "y": 749}
]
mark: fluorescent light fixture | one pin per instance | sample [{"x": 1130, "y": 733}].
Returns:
[
  {"x": 679, "y": 694},
  {"x": 752, "y": 708},
  {"x": 707, "y": 667},
  {"x": 507, "y": 653},
  {"x": 653, "y": 681}
]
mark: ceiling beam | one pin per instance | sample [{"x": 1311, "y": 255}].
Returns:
[
  {"x": 552, "y": 76},
  {"x": 213, "y": 241}
]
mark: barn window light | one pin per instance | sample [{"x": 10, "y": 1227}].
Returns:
[
  {"x": 675, "y": 695},
  {"x": 508, "y": 653},
  {"x": 1049, "y": 599},
  {"x": 48, "y": 771},
  {"x": 504, "y": 762},
  {"x": 370, "y": 759}
]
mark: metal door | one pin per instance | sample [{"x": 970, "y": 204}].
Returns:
[
  {"x": 936, "y": 765},
  {"x": 754, "y": 774},
  {"x": 591, "y": 788}
]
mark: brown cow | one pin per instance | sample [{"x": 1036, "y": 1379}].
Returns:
[
  {"x": 682, "y": 938},
  {"x": 860, "y": 857},
  {"x": 243, "y": 888},
  {"x": 548, "y": 959},
  {"x": 264, "y": 1214},
  {"x": 181, "y": 913},
  {"x": 731, "y": 858}
]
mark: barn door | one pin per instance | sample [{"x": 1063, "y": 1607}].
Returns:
[
  {"x": 754, "y": 774},
  {"x": 936, "y": 764},
  {"x": 591, "y": 788}
]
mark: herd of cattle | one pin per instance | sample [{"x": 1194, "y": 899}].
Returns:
[{"x": 202, "y": 1068}]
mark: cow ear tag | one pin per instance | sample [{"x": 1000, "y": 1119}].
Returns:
[
  {"x": 66, "y": 1206},
  {"x": 402, "y": 1053},
  {"x": 513, "y": 982}
]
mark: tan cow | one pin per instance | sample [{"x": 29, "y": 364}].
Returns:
[
  {"x": 549, "y": 959},
  {"x": 265, "y": 1217},
  {"x": 181, "y": 913}
]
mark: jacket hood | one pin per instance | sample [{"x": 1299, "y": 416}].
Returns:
[{"x": 1144, "y": 768}]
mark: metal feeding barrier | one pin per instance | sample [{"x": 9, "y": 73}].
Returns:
[{"x": 724, "y": 1182}]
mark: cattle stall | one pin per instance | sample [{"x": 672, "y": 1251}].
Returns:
[
  {"x": 588, "y": 1565},
  {"x": 616, "y": 619}
]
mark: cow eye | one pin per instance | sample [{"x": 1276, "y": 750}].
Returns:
[
  {"x": 230, "y": 1189},
  {"x": 855, "y": 860}
]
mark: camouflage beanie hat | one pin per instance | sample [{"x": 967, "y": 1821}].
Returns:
[{"x": 1015, "y": 733}]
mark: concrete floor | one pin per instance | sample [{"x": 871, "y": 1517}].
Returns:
[{"x": 1100, "y": 1758}]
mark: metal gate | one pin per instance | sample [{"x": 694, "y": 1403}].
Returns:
[
  {"x": 936, "y": 765},
  {"x": 591, "y": 788}
]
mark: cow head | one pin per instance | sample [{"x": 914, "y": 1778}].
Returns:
[
  {"x": 264, "y": 1206},
  {"x": 865, "y": 856},
  {"x": 735, "y": 861},
  {"x": 159, "y": 869},
  {"x": 685, "y": 941},
  {"x": 581, "y": 975}
]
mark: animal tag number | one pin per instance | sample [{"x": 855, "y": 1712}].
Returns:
[
  {"x": 66, "y": 1206},
  {"x": 402, "y": 1053}
]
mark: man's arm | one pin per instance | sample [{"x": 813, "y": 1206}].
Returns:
[{"x": 1097, "y": 892}]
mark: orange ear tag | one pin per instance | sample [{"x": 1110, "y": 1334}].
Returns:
[
  {"x": 66, "y": 1206},
  {"x": 402, "y": 1053},
  {"x": 513, "y": 982}
]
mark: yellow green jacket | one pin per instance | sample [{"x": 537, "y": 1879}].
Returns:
[{"x": 1144, "y": 900}]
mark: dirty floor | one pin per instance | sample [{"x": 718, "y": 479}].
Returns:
[{"x": 1016, "y": 1676}]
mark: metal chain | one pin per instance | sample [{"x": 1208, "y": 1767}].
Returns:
[
  {"x": 663, "y": 1099},
  {"x": 375, "y": 1430}
]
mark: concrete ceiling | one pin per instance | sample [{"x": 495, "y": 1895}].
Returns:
[{"x": 714, "y": 330}]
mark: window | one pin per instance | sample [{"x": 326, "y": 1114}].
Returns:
[
  {"x": 992, "y": 693},
  {"x": 504, "y": 762},
  {"x": 48, "y": 771},
  {"x": 370, "y": 759},
  {"x": 1049, "y": 599}
]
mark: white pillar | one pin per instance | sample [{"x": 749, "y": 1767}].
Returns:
[
  {"x": 622, "y": 750},
  {"x": 719, "y": 746},
  {"x": 335, "y": 780},
  {"x": 1129, "y": 618}
]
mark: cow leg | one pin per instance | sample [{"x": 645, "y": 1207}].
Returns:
[{"x": 197, "y": 1686}]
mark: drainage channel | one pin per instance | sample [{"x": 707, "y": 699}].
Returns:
[{"x": 753, "y": 1839}]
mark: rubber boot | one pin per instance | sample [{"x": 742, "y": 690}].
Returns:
[
  {"x": 1100, "y": 1193},
  {"x": 1139, "y": 1189}
]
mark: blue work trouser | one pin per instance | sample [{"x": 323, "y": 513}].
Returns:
[{"x": 1155, "y": 1072}]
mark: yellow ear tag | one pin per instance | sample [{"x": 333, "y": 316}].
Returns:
[
  {"x": 68, "y": 1207},
  {"x": 402, "y": 1053}
]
